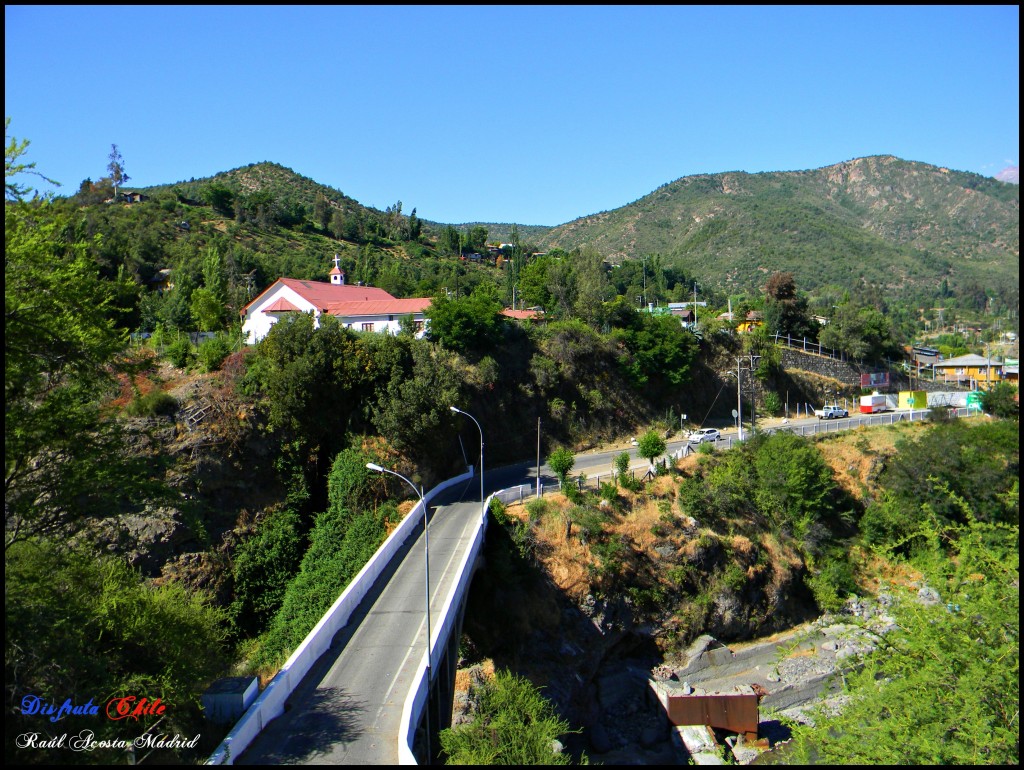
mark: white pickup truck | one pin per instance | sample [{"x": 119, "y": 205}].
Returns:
[{"x": 830, "y": 412}]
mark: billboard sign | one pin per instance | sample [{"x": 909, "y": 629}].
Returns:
[{"x": 874, "y": 380}]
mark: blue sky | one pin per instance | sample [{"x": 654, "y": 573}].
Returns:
[{"x": 531, "y": 114}]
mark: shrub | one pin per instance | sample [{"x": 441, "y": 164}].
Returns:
[
  {"x": 513, "y": 725},
  {"x": 339, "y": 545},
  {"x": 833, "y": 583},
  {"x": 498, "y": 511},
  {"x": 213, "y": 351},
  {"x": 154, "y": 403},
  {"x": 180, "y": 352},
  {"x": 263, "y": 565},
  {"x": 735, "y": 577},
  {"x": 537, "y": 508}
]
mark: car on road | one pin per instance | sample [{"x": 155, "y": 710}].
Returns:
[
  {"x": 704, "y": 434},
  {"x": 831, "y": 412}
]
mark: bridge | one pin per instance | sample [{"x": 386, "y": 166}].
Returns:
[{"x": 356, "y": 690}]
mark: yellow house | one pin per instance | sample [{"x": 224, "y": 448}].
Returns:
[{"x": 973, "y": 371}]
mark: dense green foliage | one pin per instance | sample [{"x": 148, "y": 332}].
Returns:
[
  {"x": 87, "y": 628},
  {"x": 975, "y": 462},
  {"x": 513, "y": 725},
  {"x": 62, "y": 351},
  {"x": 1001, "y": 400},
  {"x": 862, "y": 333},
  {"x": 943, "y": 687},
  {"x": 472, "y": 323},
  {"x": 263, "y": 565},
  {"x": 778, "y": 481},
  {"x": 661, "y": 350},
  {"x": 340, "y": 543}
]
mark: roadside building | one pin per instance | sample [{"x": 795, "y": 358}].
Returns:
[{"x": 973, "y": 371}]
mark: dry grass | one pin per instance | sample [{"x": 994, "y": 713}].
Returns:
[
  {"x": 464, "y": 676},
  {"x": 852, "y": 454},
  {"x": 875, "y": 573}
]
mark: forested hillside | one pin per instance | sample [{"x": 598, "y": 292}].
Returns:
[{"x": 906, "y": 228}]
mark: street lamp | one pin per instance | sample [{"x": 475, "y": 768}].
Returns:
[
  {"x": 426, "y": 562},
  {"x": 459, "y": 411}
]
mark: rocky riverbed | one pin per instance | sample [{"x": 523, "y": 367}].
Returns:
[{"x": 794, "y": 671}]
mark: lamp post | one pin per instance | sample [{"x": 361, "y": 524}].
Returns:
[
  {"x": 426, "y": 563},
  {"x": 739, "y": 400},
  {"x": 459, "y": 411}
]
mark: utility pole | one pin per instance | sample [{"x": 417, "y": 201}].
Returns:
[
  {"x": 538, "y": 458},
  {"x": 739, "y": 397},
  {"x": 644, "y": 268},
  {"x": 739, "y": 393},
  {"x": 694, "y": 304}
]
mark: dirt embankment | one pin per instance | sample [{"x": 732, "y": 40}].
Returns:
[{"x": 206, "y": 446}]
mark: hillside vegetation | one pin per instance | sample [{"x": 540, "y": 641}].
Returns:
[{"x": 897, "y": 225}]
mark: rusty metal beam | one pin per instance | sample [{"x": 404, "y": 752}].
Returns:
[{"x": 737, "y": 713}]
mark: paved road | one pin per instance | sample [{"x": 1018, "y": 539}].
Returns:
[
  {"x": 602, "y": 462},
  {"x": 347, "y": 709}
]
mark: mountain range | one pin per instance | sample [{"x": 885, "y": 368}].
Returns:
[{"x": 877, "y": 222}]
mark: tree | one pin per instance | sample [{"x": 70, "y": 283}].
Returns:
[
  {"x": 449, "y": 243},
  {"x": 13, "y": 150},
  {"x": 476, "y": 240},
  {"x": 592, "y": 287},
  {"x": 220, "y": 198},
  {"x": 415, "y": 226},
  {"x": 322, "y": 211},
  {"x": 513, "y": 725},
  {"x": 860, "y": 332},
  {"x": 116, "y": 168},
  {"x": 785, "y": 310},
  {"x": 466, "y": 323},
  {"x": 77, "y": 623},
  {"x": 660, "y": 349},
  {"x": 1001, "y": 400},
  {"x": 561, "y": 461},
  {"x": 622, "y": 464},
  {"x": 650, "y": 445},
  {"x": 63, "y": 347}
]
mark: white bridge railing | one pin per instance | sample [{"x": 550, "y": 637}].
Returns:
[{"x": 270, "y": 703}]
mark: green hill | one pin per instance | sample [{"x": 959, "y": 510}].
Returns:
[
  {"x": 881, "y": 221},
  {"x": 878, "y": 224}
]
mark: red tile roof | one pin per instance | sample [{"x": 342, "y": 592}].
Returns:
[
  {"x": 281, "y": 305},
  {"x": 379, "y": 307},
  {"x": 521, "y": 315},
  {"x": 320, "y": 294}
]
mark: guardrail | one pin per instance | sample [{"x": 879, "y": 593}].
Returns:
[
  {"x": 270, "y": 703},
  {"x": 417, "y": 699}
]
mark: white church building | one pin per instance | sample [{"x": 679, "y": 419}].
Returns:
[{"x": 362, "y": 308}]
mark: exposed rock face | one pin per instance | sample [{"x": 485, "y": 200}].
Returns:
[
  {"x": 1009, "y": 174},
  {"x": 217, "y": 465}
]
